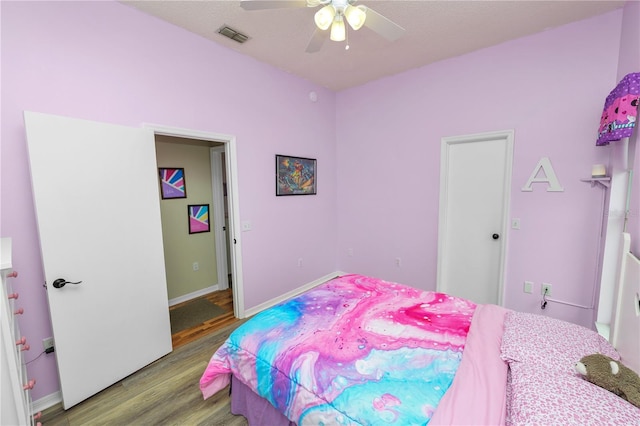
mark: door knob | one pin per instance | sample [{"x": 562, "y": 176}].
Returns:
[
  {"x": 61, "y": 282},
  {"x": 495, "y": 236}
]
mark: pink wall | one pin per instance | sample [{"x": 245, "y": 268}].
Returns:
[
  {"x": 550, "y": 88},
  {"x": 107, "y": 62}
]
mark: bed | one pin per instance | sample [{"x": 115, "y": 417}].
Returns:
[{"x": 358, "y": 350}]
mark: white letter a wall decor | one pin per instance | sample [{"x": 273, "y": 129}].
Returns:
[{"x": 549, "y": 177}]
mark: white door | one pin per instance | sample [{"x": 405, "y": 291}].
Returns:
[
  {"x": 218, "y": 217},
  {"x": 98, "y": 211},
  {"x": 475, "y": 178}
]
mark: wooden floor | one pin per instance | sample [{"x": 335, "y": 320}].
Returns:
[
  {"x": 165, "y": 392},
  {"x": 223, "y": 299}
]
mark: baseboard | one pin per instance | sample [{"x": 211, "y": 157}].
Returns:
[
  {"x": 270, "y": 303},
  {"x": 46, "y": 402},
  {"x": 193, "y": 295}
]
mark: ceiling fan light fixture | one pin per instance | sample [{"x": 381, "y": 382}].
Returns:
[
  {"x": 324, "y": 17},
  {"x": 355, "y": 16},
  {"x": 338, "y": 31}
]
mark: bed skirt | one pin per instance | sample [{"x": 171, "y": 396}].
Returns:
[{"x": 258, "y": 411}]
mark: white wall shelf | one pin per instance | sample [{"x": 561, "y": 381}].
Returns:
[{"x": 604, "y": 181}]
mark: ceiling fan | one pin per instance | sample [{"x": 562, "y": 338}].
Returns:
[{"x": 333, "y": 14}]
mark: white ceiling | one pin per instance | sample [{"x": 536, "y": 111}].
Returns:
[{"x": 435, "y": 30}]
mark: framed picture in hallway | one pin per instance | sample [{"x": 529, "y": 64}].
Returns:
[
  {"x": 295, "y": 175},
  {"x": 172, "y": 183},
  {"x": 198, "y": 218}
]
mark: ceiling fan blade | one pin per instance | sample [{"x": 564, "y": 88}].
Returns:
[
  {"x": 383, "y": 26},
  {"x": 317, "y": 40},
  {"x": 271, "y": 4}
]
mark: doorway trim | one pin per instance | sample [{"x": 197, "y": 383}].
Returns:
[
  {"x": 446, "y": 144},
  {"x": 230, "y": 149},
  {"x": 217, "y": 186}
]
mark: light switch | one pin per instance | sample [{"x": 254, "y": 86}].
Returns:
[
  {"x": 515, "y": 223},
  {"x": 246, "y": 226}
]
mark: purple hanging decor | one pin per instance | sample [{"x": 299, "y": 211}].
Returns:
[{"x": 620, "y": 110}]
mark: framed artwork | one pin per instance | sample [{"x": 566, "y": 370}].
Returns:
[
  {"x": 172, "y": 183},
  {"x": 295, "y": 175},
  {"x": 198, "y": 218}
]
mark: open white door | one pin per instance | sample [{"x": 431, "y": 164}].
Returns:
[
  {"x": 97, "y": 205},
  {"x": 221, "y": 232}
]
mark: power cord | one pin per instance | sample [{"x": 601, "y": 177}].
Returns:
[
  {"x": 543, "y": 304},
  {"x": 46, "y": 351}
]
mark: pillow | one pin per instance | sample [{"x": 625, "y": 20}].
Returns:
[
  {"x": 547, "y": 397},
  {"x": 549, "y": 343}
]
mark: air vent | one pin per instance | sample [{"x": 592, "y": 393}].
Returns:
[{"x": 232, "y": 34}]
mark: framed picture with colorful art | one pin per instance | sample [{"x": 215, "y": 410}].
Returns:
[
  {"x": 198, "y": 218},
  {"x": 295, "y": 175},
  {"x": 172, "y": 183}
]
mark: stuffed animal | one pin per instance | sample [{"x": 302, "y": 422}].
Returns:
[{"x": 611, "y": 375}]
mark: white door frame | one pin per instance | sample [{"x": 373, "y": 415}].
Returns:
[
  {"x": 230, "y": 150},
  {"x": 218, "y": 216},
  {"x": 446, "y": 144}
]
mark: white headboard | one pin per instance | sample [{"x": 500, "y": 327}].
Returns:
[{"x": 625, "y": 324}]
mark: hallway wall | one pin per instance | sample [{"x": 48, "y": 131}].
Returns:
[{"x": 182, "y": 249}]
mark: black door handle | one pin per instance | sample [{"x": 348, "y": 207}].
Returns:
[
  {"x": 61, "y": 282},
  {"x": 495, "y": 236}
]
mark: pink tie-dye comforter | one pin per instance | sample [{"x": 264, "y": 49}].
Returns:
[{"x": 355, "y": 350}]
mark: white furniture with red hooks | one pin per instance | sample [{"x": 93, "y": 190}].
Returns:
[{"x": 16, "y": 386}]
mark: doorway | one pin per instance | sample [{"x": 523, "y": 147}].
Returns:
[
  {"x": 222, "y": 177},
  {"x": 195, "y": 258},
  {"x": 475, "y": 182}
]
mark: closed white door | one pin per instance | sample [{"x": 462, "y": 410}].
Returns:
[
  {"x": 475, "y": 179},
  {"x": 96, "y": 195}
]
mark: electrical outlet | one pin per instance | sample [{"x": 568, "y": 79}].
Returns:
[
  {"x": 300, "y": 262},
  {"x": 196, "y": 266},
  {"x": 398, "y": 262},
  {"x": 47, "y": 343},
  {"x": 546, "y": 289}
]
